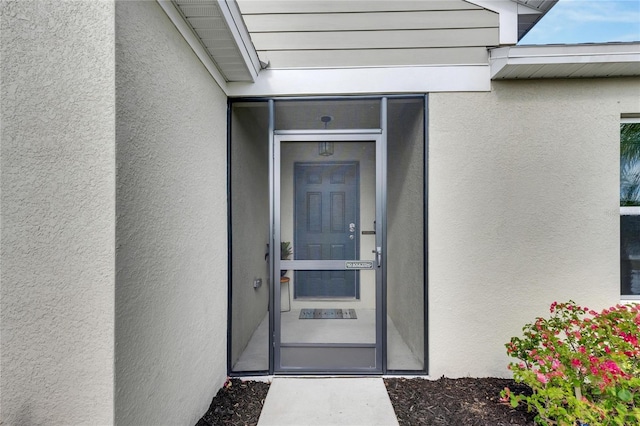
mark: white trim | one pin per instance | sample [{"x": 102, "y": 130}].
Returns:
[
  {"x": 624, "y": 120},
  {"x": 353, "y": 81},
  {"x": 240, "y": 34},
  {"x": 508, "y": 12},
  {"x": 629, "y": 211},
  {"x": 176, "y": 17}
]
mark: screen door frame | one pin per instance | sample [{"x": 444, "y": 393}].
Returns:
[{"x": 378, "y": 137}]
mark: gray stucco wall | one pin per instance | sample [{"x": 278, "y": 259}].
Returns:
[
  {"x": 57, "y": 206},
  {"x": 171, "y": 234},
  {"x": 523, "y": 199}
]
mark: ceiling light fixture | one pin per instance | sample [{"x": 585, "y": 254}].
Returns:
[{"x": 325, "y": 148}]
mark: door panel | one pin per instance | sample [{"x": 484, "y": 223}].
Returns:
[{"x": 326, "y": 200}]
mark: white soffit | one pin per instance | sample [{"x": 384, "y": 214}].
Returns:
[
  {"x": 215, "y": 31},
  {"x": 566, "y": 61},
  {"x": 339, "y": 34}
]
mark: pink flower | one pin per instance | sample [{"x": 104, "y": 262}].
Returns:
[
  {"x": 611, "y": 366},
  {"x": 629, "y": 338},
  {"x": 576, "y": 362},
  {"x": 555, "y": 364},
  {"x": 507, "y": 395},
  {"x": 541, "y": 378}
]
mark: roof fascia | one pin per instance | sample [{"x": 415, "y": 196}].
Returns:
[
  {"x": 193, "y": 41},
  {"x": 233, "y": 17},
  {"x": 358, "y": 81}
]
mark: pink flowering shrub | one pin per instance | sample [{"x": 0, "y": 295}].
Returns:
[{"x": 582, "y": 366}]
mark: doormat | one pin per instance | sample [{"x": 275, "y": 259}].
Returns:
[{"x": 328, "y": 314}]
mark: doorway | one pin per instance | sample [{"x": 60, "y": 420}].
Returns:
[{"x": 342, "y": 182}]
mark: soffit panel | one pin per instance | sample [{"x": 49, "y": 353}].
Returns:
[
  {"x": 376, "y": 39},
  {"x": 566, "y": 61},
  {"x": 369, "y": 33},
  {"x": 419, "y": 20},
  {"x": 328, "y": 6},
  {"x": 209, "y": 25}
]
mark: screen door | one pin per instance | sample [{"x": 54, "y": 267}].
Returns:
[{"x": 327, "y": 225}]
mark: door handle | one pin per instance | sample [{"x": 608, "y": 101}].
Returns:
[{"x": 378, "y": 253}]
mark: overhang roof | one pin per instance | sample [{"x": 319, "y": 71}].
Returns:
[
  {"x": 565, "y": 61},
  {"x": 215, "y": 31},
  {"x": 240, "y": 36},
  {"x": 316, "y": 47}
]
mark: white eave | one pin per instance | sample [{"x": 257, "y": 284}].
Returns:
[
  {"x": 566, "y": 61},
  {"x": 215, "y": 31}
]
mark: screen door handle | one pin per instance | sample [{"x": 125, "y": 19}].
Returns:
[{"x": 378, "y": 253}]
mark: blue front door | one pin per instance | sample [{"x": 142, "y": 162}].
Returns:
[{"x": 326, "y": 219}]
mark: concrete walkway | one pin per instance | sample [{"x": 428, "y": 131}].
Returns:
[{"x": 327, "y": 401}]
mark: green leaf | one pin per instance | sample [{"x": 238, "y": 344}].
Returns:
[
  {"x": 625, "y": 395},
  {"x": 622, "y": 409}
]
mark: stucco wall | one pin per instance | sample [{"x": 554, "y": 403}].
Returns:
[
  {"x": 523, "y": 200},
  {"x": 171, "y": 257},
  {"x": 57, "y": 206},
  {"x": 250, "y": 224}
]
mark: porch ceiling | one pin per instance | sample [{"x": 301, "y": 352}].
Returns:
[{"x": 355, "y": 33}]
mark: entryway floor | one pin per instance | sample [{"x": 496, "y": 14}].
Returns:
[
  {"x": 255, "y": 357},
  {"x": 327, "y": 401}
]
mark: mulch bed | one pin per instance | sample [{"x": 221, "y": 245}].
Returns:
[
  {"x": 465, "y": 401},
  {"x": 468, "y": 401},
  {"x": 237, "y": 403}
]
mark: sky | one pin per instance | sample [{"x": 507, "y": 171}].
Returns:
[{"x": 587, "y": 21}]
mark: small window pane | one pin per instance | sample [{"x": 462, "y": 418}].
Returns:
[
  {"x": 630, "y": 164},
  {"x": 630, "y": 255}
]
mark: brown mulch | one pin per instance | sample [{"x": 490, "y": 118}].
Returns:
[{"x": 468, "y": 401}]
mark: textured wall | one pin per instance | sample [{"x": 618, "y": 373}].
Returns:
[
  {"x": 171, "y": 255},
  {"x": 405, "y": 224},
  {"x": 523, "y": 200},
  {"x": 58, "y": 179},
  {"x": 250, "y": 224}
]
